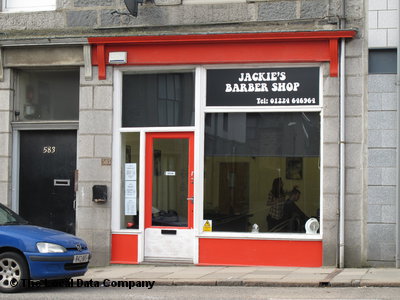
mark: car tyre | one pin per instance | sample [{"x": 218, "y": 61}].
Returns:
[{"x": 13, "y": 270}]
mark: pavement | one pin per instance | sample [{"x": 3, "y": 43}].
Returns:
[{"x": 179, "y": 275}]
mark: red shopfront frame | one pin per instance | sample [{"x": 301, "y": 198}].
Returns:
[{"x": 240, "y": 48}]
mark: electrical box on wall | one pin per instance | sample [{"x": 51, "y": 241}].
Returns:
[{"x": 100, "y": 193}]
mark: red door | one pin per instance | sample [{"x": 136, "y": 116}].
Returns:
[{"x": 169, "y": 195}]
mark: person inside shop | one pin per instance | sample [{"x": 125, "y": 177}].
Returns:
[
  {"x": 294, "y": 216},
  {"x": 276, "y": 201}
]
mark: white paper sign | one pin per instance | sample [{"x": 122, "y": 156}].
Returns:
[
  {"x": 130, "y": 207},
  {"x": 130, "y": 189},
  {"x": 130, "y": 171}
]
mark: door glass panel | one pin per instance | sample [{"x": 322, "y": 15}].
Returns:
[{"x": 170, "y": 182}]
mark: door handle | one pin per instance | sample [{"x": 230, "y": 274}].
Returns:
[{"x": 190, "y": 199}]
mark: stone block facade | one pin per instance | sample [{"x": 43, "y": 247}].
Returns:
[
  {"x": 382, "y": 151},
  {"x": 94, "y": 144},
  {"x": 370, "y": 124},
  {"x": 383, "y": 129},
  {"x": 6, "y": 110}
]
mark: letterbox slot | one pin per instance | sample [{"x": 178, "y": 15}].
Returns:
[
  {"x": 167, "y": 231},
  {"x": 62, "y": 182}
]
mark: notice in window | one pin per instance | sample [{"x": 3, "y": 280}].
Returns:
[
  {"x": 130, "y": 207},
  {"x": 130, "y": 172},
  {"x": 130, "y": 189}
]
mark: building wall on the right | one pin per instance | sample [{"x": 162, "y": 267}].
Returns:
[
  {"x": 382, "y": 142},
  {"x": 383, "y": 23}
]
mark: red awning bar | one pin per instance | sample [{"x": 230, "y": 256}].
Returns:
[{"x": 229, "y": 48}]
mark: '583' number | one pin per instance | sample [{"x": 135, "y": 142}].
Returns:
[{"x": 49, "y": 149}]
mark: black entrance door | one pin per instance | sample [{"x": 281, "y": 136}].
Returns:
[{"x": 46, "y": 180}]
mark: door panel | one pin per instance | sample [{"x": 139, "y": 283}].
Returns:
[
  {"x": 170, "y": 182},
  {"x": 169, "y": 196},
  {"x": 46, "y": 181}
]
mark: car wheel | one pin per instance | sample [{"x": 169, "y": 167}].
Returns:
[{"x": 13, "y": 269}]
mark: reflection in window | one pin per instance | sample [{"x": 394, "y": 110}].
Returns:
[
  {"x": 130, "y": 181},
  {"x": 164, "y": 99},
  {"x": 48, "y": 95},
  {"x": 170, "y": 182},
  {"x": 261, "y": 171}
]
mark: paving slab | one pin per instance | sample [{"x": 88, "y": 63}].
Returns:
[
  {"x": 314, "y": 270},
  {"x": 184, "y": 276},
  {"x": 262, "y": 276},
  {"x": 277, "y": 272},
  {"x": 226, "y": 275},
  {"x": 354, "y": 272},
  {"x": 238, "y": 269}
]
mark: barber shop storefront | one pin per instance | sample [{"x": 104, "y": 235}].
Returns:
[{"x": 218, "y": 144}]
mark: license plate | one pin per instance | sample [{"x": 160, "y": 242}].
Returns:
[{"x": 81, "y": 258}]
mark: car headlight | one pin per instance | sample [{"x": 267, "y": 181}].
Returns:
[{"x": 50, "y": 248}]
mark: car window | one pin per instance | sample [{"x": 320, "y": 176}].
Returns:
[{"x": 8, "y": 217}]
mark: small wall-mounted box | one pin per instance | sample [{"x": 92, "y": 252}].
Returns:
[
  {"x": 100, "y": 193},
  {"x": 117, "y": 58}
]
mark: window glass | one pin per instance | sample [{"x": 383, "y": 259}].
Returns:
[
  {"x": 170, "y": 182},
  {"x": 164, "y": 99},
  {"x": 261, "y": 171},
  {"x": 382, "y": 61},
  {"x": 130, "y": 180},
  {"x": 31, "y": 5},
  {"x": 48, "y": 95}
]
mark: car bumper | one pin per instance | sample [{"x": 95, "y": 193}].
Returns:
[{"x": 55, "y": 265}]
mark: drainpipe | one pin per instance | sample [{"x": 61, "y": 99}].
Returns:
[
  {"x": 342, "y": 123},
  {"x": 398, "y": 147}
]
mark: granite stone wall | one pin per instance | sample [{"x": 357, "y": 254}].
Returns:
[
  {"x": 6, "y": 94},
  {"x": 93, "y": 220}
]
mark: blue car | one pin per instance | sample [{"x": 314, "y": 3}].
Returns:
[{"x": 30, "y": 252}]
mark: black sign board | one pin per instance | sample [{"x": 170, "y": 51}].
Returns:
[{"x": 263, "y": 87}]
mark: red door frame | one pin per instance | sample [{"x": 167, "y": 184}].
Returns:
[{"x": 150, "y": 136}]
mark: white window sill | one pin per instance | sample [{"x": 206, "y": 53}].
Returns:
[
  {"x": 29, "y": 9},
  {"x": 127, "y": 231}
]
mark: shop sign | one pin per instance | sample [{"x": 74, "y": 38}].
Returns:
[{"x": 263, "y": 87}]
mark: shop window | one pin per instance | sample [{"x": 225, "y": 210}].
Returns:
[
  {"x": 31, "y": 5},
  {"x": 163, "y": 99},
  {"x": 130, "y": 181},
  {"x": 47, "y": 95},
  {"x": 382, "y": 61},
  {"x": 262, "y": 173}
]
